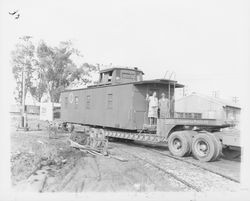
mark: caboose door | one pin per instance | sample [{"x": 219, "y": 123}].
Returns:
[{"x": 140, "y": 109}]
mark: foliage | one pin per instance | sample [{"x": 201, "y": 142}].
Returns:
[
  {"x": 23, "y": 60},
  {"x": 59, "y": 70},
  {"x": 49, "y": 70}
]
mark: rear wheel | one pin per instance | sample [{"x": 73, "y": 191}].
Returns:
[
  {"x": 188, "y": 135},
  {"x": 179, "y": 144},
  {"x": 205, "y": 147},
  {"x": 218, "y": 147}
]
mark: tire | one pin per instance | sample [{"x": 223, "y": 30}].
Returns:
[
  {"x": 218, "y": 146},
  {"x": 179, "y": 144},
  {"x": 204, "y": 147},
  {"x": 188, "y": 135}
]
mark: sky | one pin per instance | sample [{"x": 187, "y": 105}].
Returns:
[{"x": 204, "y": 43}]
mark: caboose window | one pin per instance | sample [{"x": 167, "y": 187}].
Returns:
[
  {"x": 88, "y": 102},
  {"x": 76, "y": 101},
  {"x": 188, "y": 115},
  {"x": 118, "y": 74},
  {"x": 66, "y": 102},
  {"x": 197, "y": 115},
  {"x": 110, "y": 76},
  {"x": 180, "y": 114},
  {"x": 110, "y": 101}
]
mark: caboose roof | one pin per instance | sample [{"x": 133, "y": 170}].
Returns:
[
  {"x": 160, "y": 81},
  {"x": 120, "y": 68},
  {"x": 154, "y": 81}
]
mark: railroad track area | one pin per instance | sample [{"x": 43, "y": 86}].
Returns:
[
  {"x": 205, "y": 166},
  {"x": 189, "y": 186},
  {"x": 193, "y": 176},
  {"x": 228, "y": 166}
]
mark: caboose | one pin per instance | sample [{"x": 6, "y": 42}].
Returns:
[{"x": 117, "y": 108}]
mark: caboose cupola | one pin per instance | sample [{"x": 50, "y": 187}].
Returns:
[{"x": 120, "y": 75}]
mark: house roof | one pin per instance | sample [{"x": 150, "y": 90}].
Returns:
[{"x": 225, "y": 103}]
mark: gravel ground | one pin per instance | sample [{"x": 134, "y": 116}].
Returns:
[
  {"x": 229, "y": 164},
  {"x": 200, "y": 178}
]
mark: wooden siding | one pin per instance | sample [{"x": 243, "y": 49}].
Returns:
[
  {"x": 116, "y": 106},
  {"x": 104, "y": 106}
]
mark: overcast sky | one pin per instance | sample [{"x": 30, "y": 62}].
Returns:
[{"x": 204, "y": 42}]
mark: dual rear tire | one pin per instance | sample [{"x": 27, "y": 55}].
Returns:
[
  {"x": 179, "y": 143},
  {"x": 204, "y": 146}
]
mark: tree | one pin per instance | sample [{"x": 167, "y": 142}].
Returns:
[
  {"x": 48, "y": 70},
  {"x": 22, "y": 64},
  {"x": 38, "y": 91},
  {"x": 57, "y": 70}
]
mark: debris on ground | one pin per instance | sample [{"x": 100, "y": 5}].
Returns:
[
  {"x": 118, "y": 158},
  {"x": 91, "y": 146}
]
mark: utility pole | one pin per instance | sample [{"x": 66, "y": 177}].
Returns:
[
  {"x": 235, "y": 99},
  {"x": 215, "y": 94},
  {"x": 23, "y": 100},
  {"x": 23, "y": 114},
  {"x": 24, "y": 125}
]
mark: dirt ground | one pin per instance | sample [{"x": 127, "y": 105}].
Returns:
[{"x": 43, "y": 164}]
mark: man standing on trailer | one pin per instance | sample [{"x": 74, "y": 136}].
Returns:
[
  {"x": 152, "y": 108},
  {"x": 164, "y": 107}
]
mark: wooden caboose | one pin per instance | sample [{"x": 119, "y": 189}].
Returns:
[{"x": 117, "y": 101}]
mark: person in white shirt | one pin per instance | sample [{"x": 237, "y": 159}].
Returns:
[{"x": 152, "y": 108}]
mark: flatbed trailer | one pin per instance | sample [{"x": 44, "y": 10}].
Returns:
[{"x": 183, "y": 136}]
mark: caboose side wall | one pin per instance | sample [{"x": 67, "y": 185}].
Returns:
[
  {"x": 117, "y": 106},
  {"x": 101, "y": 106},
  {"x": 69, "y": 111}
]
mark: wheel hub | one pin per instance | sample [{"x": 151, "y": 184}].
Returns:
[
  {"x": 202, "y": 148},
  {"x": 177, "y": 144}
]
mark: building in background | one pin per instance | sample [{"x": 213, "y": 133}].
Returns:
[
  {"x": 207, "y": 107},
  {"x": 32, "y": 106},
  {"x": 47, "y": 110},
  {"x": 50, "y": 111}
]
